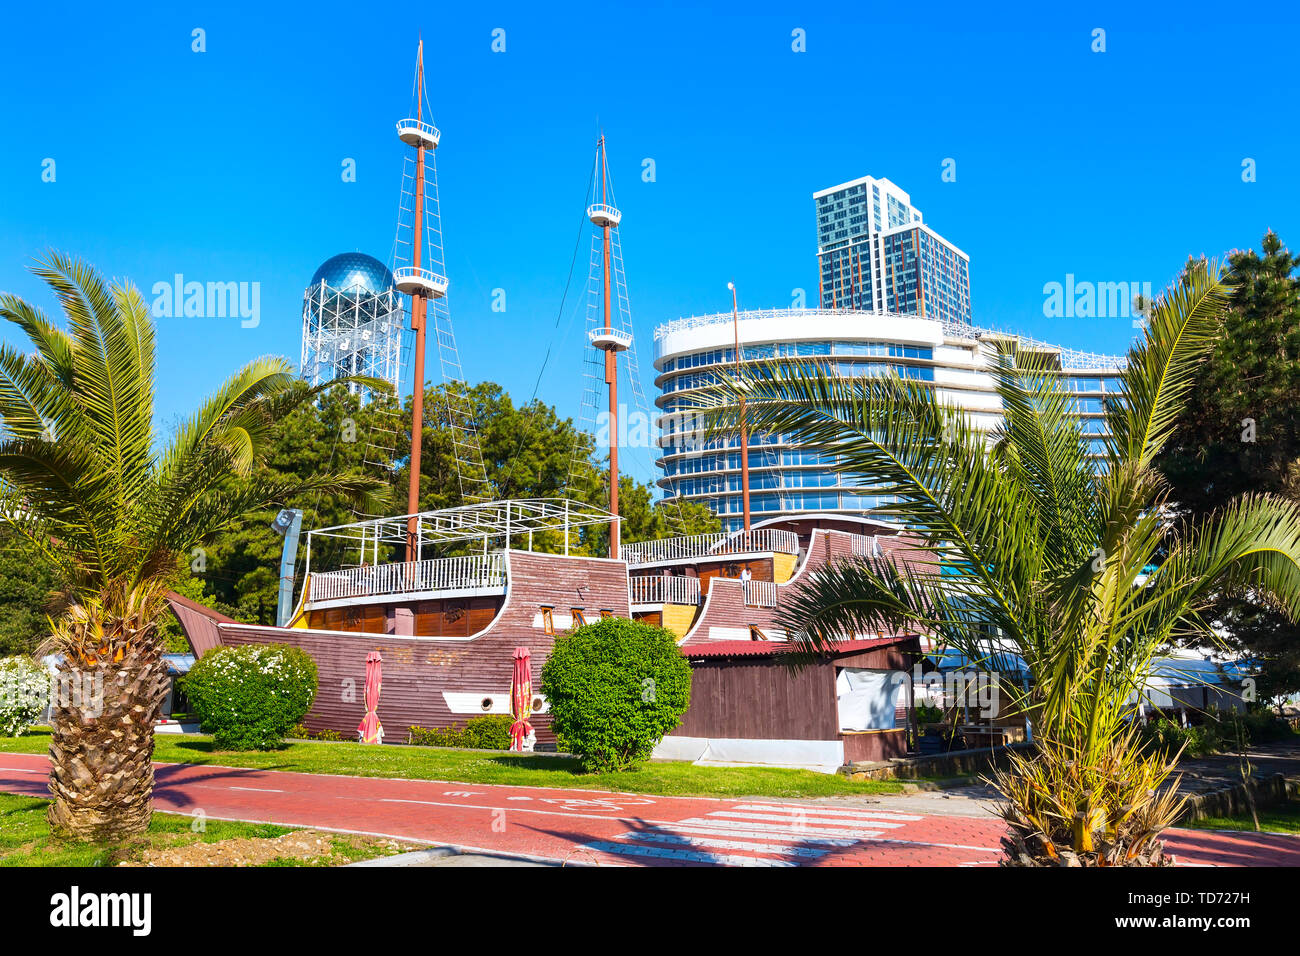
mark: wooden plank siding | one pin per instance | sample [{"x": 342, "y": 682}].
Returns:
[
  {"x": 201, "y": 625},
  {"x": 757, "y": 698},
  {"x": 874, "y": 745},
  {"x": 362, "y": 618},
  {"x": 760, "y": 569},
  {"x": 417, "y": 670},
  {"x": 444, "y": 617}
]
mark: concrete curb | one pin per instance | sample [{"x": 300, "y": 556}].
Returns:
[
  {"x": 414, "y": 858},
  {"x": 944, "y": 766},
  {"x": 1232, "y": 801}
]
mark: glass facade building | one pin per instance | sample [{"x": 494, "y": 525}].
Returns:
[
  {"x": 875, "y": 253},
  {"x": 788, "y": 477}
]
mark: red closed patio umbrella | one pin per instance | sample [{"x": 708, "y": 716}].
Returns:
[
  {"x": 521, "y": 699},
  {"x": 370, "y": 730}
]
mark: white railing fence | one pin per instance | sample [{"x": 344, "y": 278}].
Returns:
[
  {"x": 664, "y": 589},
  {"x": 437, "y": 574},
  {"x": 865, "y": 545},
  {"x": 759, "y": 593},
  {"x": 708, "y": 545}
]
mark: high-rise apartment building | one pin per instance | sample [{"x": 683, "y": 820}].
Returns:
[{"x": 875, "y": 253}]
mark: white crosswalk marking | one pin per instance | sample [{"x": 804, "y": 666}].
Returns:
[
  {"x": 800, "y": 818},
  {"x": 775, "y": 838},
  {"x": 824, "y": 811},
  {"x": 764, "y": 834},
  {"x": 730, "y": 859},
  {"x": 677, "y": 839},
  {"x": 742, "y": 826}
]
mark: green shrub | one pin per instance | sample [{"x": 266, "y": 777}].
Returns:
[
  {"x": 1164, "y": 736},
  {"x": 490, "y": 732},
  {"x": 1220, "y": 731},
  {"x": 1262, "y": 726},
  {"x": 250, "y": 697},
  {"x": 24, "y": 692},
  {"x": 928, "y": 714},
  {"x": 615, "y": 687},
  {"x": 300, "y": 732}
]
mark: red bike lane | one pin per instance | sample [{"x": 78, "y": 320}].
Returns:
[{"x": 591, "y": 827}]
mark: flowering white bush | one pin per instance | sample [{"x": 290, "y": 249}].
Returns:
[
  {"x": 248, "y": 697},
  {"x": 24, "y": 691}
]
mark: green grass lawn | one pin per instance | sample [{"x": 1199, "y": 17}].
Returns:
[
  {"x": 25, "y": 841},
  {"x": 1283, "y": 819},
  {"x": 25, "y": 837},
  {"x": 476, "y": 766}
]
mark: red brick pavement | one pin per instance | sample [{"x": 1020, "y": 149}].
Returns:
[{"x": 602, "y": 828}]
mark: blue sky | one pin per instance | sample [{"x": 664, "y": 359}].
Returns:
[{"x": 225, "y": 165}]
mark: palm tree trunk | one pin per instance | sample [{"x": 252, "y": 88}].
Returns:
[{"x": 101, "y": 751}]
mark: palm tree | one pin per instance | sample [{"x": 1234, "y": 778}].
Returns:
[
  {"x": 1025, "y": 538},
  {"x": 84, "y": 482}
]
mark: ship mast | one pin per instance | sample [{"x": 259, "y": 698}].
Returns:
[
  {"x": 419, "y": 308},
  {"x": 422, "y": 285},
  {"x": 610, "y": 340}
]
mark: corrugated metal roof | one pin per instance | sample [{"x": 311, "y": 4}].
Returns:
[{"x": 772, "y": 648}]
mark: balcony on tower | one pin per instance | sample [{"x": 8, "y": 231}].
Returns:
[
  {"x": 610, "y": 340},
  {"x": 417, "y": 281},
  {"x": 414, "y": 132},
  {"x": 604, "y": 215}
]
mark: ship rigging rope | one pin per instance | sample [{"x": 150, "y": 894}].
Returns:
[{"x": 568, "y": 283}]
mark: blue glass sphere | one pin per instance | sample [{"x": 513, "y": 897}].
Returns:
[{"x": 354, "y": 272}]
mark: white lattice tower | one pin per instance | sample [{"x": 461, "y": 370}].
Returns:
[{"x": 351, "y": 332}]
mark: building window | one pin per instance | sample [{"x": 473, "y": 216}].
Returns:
[
  {"x": 755, "y": 634},
  {"x": 606, "y": 613},
  {"x": 548, "y": 621},
  {"x": 579, "y": 619}
]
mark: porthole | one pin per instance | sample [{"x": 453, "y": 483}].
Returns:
[{"x": 486, "y": 703}]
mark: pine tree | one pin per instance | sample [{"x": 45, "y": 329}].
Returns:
[{"x": 1240, "y": 433}]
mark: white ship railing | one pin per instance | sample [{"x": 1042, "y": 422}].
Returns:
[
  {"x": 759, "y": 593},
  {"x": 664, "y": 589},
  {"x": 710, "y": 545},
  {"x": 865, "y": 545},
  {"x": 473, "y": 572}
]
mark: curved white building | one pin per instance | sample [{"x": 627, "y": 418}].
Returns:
[{"x": 787, "y": 478}]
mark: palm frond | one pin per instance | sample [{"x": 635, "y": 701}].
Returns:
[{"x": 1161, "y": 369}]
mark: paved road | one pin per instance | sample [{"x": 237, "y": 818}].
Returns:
[{"x": 589, "y": 827}]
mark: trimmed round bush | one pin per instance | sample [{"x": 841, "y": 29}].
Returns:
[
  {"x": 250, "y": 697},
  {"x": 24, "y": 692},
  {"x": 615, "y": 687}
]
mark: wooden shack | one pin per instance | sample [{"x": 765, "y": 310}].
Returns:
[{"x": 852, "y": 703}]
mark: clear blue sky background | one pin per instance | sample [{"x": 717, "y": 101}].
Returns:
[{"x": 225, "y": 165}]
